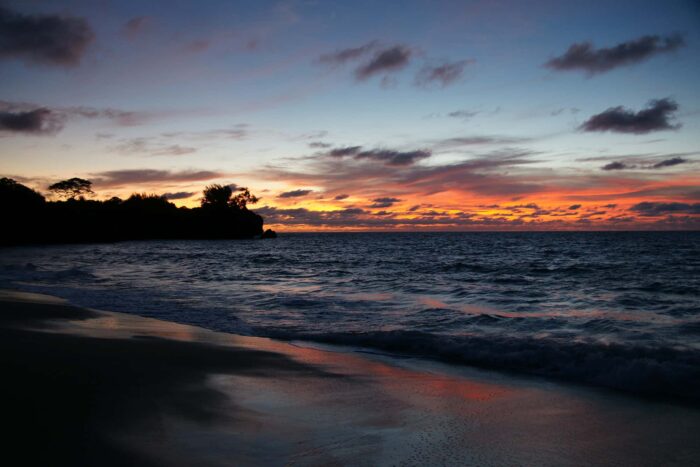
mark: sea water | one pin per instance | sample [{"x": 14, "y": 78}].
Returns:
[{"x": 618, "y": 309}]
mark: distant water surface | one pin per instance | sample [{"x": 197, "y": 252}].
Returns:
[{"x": 620, "y": 310}]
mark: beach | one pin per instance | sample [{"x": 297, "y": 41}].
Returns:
[{"x": 87, "y": 387}]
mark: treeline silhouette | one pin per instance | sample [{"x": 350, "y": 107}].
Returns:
[{"x": 28, "y": 217}]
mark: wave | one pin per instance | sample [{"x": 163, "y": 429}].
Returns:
[{"x": 643, "y": 370}]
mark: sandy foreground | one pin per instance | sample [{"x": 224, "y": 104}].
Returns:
[{"x": 84, "y": 387}]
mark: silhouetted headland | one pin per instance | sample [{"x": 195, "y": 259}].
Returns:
[{"x": 28, "y": 217}]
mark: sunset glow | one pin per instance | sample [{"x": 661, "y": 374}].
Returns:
[{"x": 481, "y": 115}]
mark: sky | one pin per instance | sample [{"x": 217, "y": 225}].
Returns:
[{"x": 365, "y": 115}]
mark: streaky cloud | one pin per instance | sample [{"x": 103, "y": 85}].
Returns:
[
  {"x": 294, "y": 194},
  {"x": 669, "y": 162},
  {"x": 584, "y": 56},
  {"x": 386, "y": 156},
  {"x": 342, "y": 56},
  {"x": 120, "y": 178},
  {"x": 649, "y": 208},
  {"x": 444, "y": 74},
  {"x": 387, "y": 60}
]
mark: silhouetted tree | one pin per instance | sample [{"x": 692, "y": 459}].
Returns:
[
  {"x": 242, "y": 199},
  {"x": 17, "y": 194},
  {"x": 29, "y": 218},
  {"x": 72, "y": 188},
  {"x": 216, "y": 195}
]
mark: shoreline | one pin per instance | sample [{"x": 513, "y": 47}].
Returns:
[{"x": 93, "y": 387}]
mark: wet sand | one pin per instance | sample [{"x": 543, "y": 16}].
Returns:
[{"x": 84, "y": 387}]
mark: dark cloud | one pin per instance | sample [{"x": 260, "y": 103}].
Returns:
[
  {"x": 574, "y": 207},
  {"x": 179, "y": 195},
  {"x": 384, "y": 202},
  {"x": 443, "y": 74},
  {"x": 462, "y": 114},
  {"x": 319, "y": 145},
  {"x": 359, "y": 218},
  {"x": 117, "y": 178},
  {"x": 616, "y": 166},
  {"x": 341, "y": 197},
  {"x": 669, "y": 163},
  {"x": 294, "y": 193},
  {"x": 688, "y": 191},
  {"x": 620, "y": 120},
  {"x": 119, "y": 117},
  {"x": 645, "y": 165},
  {"x": 385, "y": 156},
  {"x": 584, "y": 56},
  {"x": 386, "y": 60},
  {"x": 37, "y": 121},
  {"x": 342, "y": 56},
  {"x": 43, "y": 39},
  {"x": 393, "y": 158},
  {"x": 345, "y": 151},
  {"x": 648, "y": 208}
]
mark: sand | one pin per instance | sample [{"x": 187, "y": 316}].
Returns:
[{"x": 85, "y": 387}]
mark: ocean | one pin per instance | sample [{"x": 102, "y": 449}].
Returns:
[{"x": 614, "y": 309}]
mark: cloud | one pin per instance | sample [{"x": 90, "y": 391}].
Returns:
[
  {"x": 456, "y": 142},
  {"x": 648, "y": 208},
  {"x": 346, "y": 151},
  {"x": 119, "y": 178},
  {"x": 38, "y": 121},
  {"x": 342, "y": 56},
  {"x": 341, "y": 197},
  {"x": 644, "y": 161},
  {"x": 385, "y": 60},
  {"x": 384, "y": 202},
  {"x": 385, "y": 156},
  {"x": 393, "y": 158},
  {"x": 173, "y": 150},
  {"x": 463, "y": 114},
  {"x": 148, "y": 146},
  {"x": 489, "y": 174},
  {"x": 669, "y": 162},
  {"x": 574, "y": 207},
  {"x": 443, "y": 74},
  {"x": 118, "y": 116},
  {"x": 179, "y": 195},
  {"x": 294, "y": 193},
  {"x": 584, "y": 56},
  {"x": 319, "y": 145},
  {"x": 620, "y": 120},
  {"x": 43, "y": 39},
  {"x": 359, "y": 218},
  {"x": 616, "y": 166}
]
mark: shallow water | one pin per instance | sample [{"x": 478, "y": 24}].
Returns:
[{"x": 620, "y": 310}]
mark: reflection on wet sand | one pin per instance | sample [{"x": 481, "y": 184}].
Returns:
[{"x": 120, "y": 389}]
